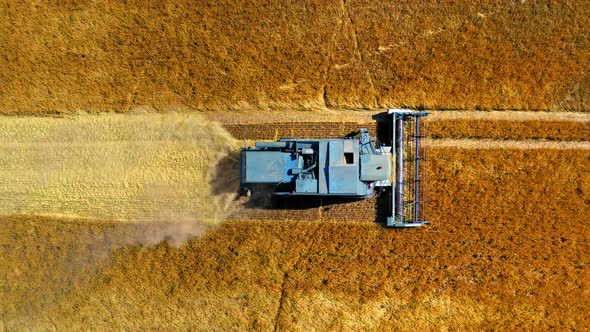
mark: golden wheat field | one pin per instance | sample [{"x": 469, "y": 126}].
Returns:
[
  {"x": 121, "y": 123},
  {"x": 68, "y": 55}
]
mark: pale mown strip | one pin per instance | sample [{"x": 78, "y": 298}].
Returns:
[{"x": 146, "y": 167}]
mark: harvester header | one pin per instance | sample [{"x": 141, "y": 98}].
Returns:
[{"x": 409, "y": 197}]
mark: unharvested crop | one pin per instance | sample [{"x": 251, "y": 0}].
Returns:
[
  {"x": 506, "y": 125},
  {"x": 64, "y": 56}
]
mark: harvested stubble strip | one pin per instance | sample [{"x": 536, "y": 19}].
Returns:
[
  {"x": 273, "y": 131},
  {"x": 63, "y": 56},
  {"x": 564, "y": 130},
  {"x": 310, "y": 209}
]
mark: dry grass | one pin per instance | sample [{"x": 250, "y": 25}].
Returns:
[
  {"x": 507, "y": 247},
  {"x": 63, "y": 56}
]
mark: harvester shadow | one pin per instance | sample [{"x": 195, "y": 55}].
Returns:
[
  {"x": 382, "y": 207},
  {"x": 308, "y": 202},
  {"x": 262, "y": 197},
  {"x": 225, "y": 179},
  {"x": 332, "y": 208}
]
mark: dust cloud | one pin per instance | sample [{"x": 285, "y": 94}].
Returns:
[{"x": 174, "y": 175}]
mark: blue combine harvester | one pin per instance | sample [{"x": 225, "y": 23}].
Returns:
[
  {"x": 328, "y": 167},
  {"x": 346, "y": 167}
]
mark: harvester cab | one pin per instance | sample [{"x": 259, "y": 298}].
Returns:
[{"x": 353, "y": 167}]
